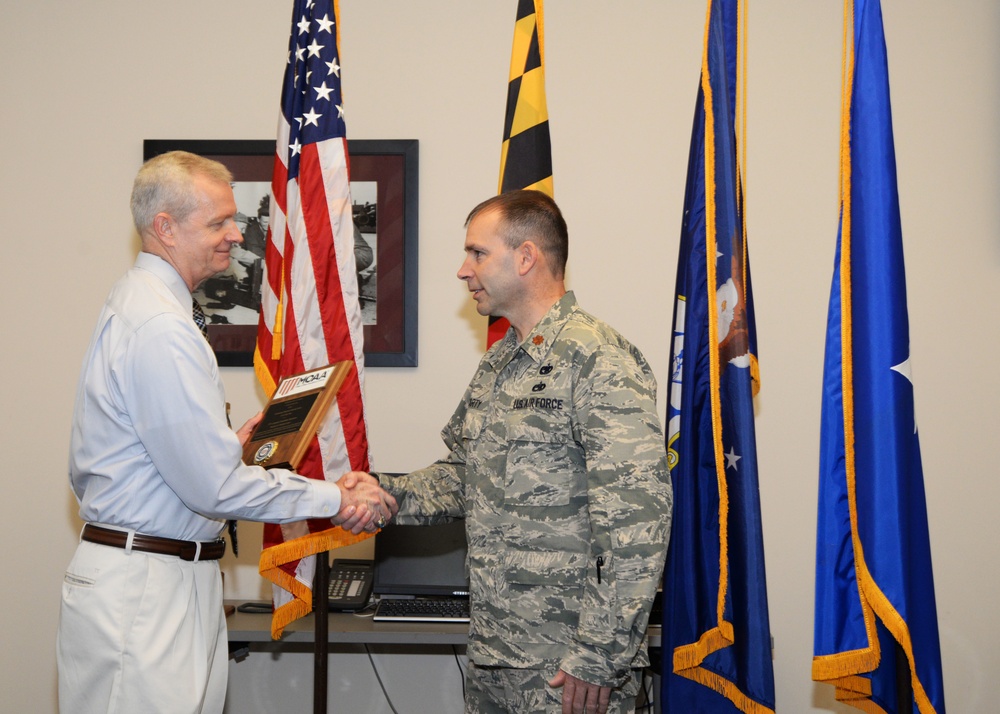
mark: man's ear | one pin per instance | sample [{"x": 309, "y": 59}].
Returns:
[
  {"x": 528, "y": 256},
  {"x": 163, "y": 228}
]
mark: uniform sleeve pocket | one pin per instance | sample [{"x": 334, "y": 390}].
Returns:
[
  {"x": 643, "y": 543},
  {"x": 472, "y": 427}
]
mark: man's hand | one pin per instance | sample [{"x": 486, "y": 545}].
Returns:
[
  {"x": 364, "y": 505},
  {"x": 246, "y": 430},
  {"x": 581, "y": 697}
]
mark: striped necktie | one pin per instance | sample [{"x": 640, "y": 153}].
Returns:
[{"x": 199, "y": 319}]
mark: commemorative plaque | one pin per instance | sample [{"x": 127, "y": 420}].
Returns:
[{"x": 293, "y": 416}]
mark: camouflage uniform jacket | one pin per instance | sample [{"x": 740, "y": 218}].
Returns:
[{"x": 557, "y": 463}]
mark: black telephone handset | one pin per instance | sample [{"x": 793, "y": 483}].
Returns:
[{"x": 350, "y": 584}]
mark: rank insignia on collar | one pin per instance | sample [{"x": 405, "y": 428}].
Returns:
[
  {"x": 538, "y": 387},
  {"x": 546, "y": 369},
  {"x": 538, "y": 339}
]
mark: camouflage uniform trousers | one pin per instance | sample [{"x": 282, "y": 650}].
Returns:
[{"x": 503, "y": 690}]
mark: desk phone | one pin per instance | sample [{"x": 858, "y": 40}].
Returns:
[{"x": 350, "y": 584}]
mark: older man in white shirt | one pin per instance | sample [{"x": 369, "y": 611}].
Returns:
[{"x": 157, "y": 470}]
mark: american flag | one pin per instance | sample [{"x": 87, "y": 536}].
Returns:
[{"x": 310, "y": 315}]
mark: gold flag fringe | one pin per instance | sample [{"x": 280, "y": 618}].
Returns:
[{"x": 271, "y": 560}]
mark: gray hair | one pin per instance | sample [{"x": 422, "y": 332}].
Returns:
[{"x": 163, "y": 185}]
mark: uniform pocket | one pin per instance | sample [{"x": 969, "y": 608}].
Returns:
[
  {"x": 544, "y": 464},
  {"x": 546, "y": 568},
  {"x": 542, "y": 594}
]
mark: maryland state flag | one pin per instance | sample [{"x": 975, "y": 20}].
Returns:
[
  {"x": 876, "y": 634},
  {"x": 526, "y": 153},
  {"x": 310, "y": 315},
  {"x": 716, "y": 633}
]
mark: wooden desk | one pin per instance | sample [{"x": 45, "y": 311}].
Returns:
[
  {"x": 349, "y": 628},
  {"x": 345, "y": 628},
  {"x": 350, "y": 635}
]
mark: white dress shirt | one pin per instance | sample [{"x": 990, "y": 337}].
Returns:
[{"x": 150, "y": 449}]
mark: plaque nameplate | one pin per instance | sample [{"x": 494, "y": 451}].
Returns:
[{"x": 293, "y": 416}]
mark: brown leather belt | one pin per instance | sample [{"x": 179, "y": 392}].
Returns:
[{"x": 183, "y": 549}]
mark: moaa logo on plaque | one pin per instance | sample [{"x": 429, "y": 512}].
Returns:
[{"x": 293, "y": 415}]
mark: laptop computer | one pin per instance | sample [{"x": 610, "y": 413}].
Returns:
[{"x": 420, "y": 573}]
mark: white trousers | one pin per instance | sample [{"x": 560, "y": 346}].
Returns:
[{"x": 140, "y": 632}]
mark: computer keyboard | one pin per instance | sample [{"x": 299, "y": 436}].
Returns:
[{"x": 423, "y": 610}]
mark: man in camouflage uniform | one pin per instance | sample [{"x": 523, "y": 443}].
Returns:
[{"x": 557, "y": 463}]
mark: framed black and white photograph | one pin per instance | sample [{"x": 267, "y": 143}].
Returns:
[{"x": 384, "y": 176}]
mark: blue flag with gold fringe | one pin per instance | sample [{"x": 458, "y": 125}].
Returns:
[
  {"x": 716, "y": 631},
  {"x": 876, "y": 635}
]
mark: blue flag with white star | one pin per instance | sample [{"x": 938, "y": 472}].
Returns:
[
  {"x": 716, "y": 632},
  {"x": 876, "y": 635}
]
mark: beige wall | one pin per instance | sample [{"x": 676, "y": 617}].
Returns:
[{"x": 85, "y": 83}]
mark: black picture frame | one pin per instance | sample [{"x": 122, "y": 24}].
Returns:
[{"x": 392, "y": 165}]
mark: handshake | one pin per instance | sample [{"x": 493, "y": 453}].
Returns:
[{"x": 364, "y": 505}]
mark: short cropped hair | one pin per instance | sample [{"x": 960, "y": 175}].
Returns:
[
  {"x": 163, "y": 185},
  {"x": 530, "y": 215}
]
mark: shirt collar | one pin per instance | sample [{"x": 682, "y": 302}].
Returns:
[
  {"x": 165, "y": 271},
  {"x": 541, "y": 337}
]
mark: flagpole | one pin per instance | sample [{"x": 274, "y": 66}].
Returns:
[{"x": 321, "y": 642}]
